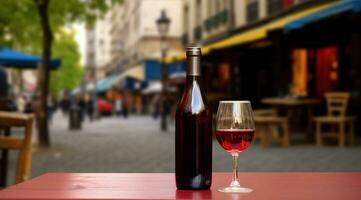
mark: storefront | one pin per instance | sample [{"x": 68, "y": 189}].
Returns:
[
  {"x": 306, "y": 56},
  {"x": 325, "y": 51}
]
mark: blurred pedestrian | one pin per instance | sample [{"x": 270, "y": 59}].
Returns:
[
  {"x": 125, "y": 108},
  {"x": 156, "y": 106},
  {"x": 29, "y": 105},
  {"x": 89, "y": 104},
  {"x": 65, "y": 104},
  {"x": 156, "y": 109},
  {"x": 118, "y": 106},
  {"x": 51, "y": 107},
  {"x": 81, "y": 105}
]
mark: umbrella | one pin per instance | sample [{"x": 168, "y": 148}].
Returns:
[{"x": 20, "y": 60}]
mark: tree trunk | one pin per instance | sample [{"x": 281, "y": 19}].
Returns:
[{"x": 43, "y": 74}]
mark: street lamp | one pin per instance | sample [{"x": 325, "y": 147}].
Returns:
[{"x": 163, "y": 23}]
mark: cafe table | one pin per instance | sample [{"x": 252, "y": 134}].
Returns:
[
  {"x": 98, "y": 186},
  {"x": 292, "y": 105}
]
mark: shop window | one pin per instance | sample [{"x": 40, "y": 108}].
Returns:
[
  {"x": 299, "y": 73},
  {"x": 224, "y": 76}
]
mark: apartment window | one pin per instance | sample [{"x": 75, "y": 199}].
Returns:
[
  {"x": 90, "y": 55},
  {"x": 101, "y": 42},
  {"x": 209, "y": 8},
  {"x": 274, "y": 6},
  {"x": 252, "y": 10},
  {"x": 287, "y": 3},
  {"x": 198, "y": 12},
  {"x": 136, "y": 21},
  {"x": 217, "y": 6},
  {"x": 222, "y": 5},
  {"x": 185, "y": 17},
  {"x": 197, "y": 32}
]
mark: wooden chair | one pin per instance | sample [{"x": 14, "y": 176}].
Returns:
[
  {"x": 268, "y": 125},
  {"x": 336, "y": 117},
  {"x": 9, "y": 119}
]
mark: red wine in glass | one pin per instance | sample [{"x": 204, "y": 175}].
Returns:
[
  {"x": 235, "y": 140},
  {"x": 235, "y": 132}
]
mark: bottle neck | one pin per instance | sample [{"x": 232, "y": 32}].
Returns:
[{"x": 193, "y": 65}]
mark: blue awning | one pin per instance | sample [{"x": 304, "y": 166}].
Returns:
[
  {"x": 12, "y": 58},
  {"x": 104, "y": 84},
  {"x": 153, "y": 69},
  {"x": 343, "y": 6}
]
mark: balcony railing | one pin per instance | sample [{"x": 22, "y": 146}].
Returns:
[{"x": 217, "y": 20}]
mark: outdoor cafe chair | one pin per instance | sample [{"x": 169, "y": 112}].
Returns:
[
  {"x": 271, "y": 128},
  {"x": 336, "y": 117},
  {"x": 10, "y": 119}
]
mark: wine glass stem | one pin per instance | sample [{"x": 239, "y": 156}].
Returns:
[{"x": 235, "y": 182}]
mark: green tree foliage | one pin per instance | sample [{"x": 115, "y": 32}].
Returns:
[
  {"x": 20, "y": 26},
  {"x": 68, "y": 76},
  {"x": 20, "y": 23},
  {"x": 30, "y": 25}
]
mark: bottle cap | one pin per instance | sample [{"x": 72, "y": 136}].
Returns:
[{"x": 193, "y": 51}]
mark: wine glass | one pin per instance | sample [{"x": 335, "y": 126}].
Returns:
[{"x": 234, "y": 132}]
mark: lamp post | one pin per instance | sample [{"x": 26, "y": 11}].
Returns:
[{"x": 163, "y": 23}]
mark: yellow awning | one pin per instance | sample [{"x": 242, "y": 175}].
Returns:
[{"x": 252, "y": 34}]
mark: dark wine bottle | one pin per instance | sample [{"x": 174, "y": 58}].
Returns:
[{"x": 193, "y": 167}]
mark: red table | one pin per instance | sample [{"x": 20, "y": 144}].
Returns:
[{"x": 161, "y": 186}]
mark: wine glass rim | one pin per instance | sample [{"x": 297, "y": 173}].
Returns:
[{"x": 234, "y": 101}]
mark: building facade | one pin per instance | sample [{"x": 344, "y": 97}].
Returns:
[
  {"x": 125, "y": 47},
  {"x": 98, "y": 48},
  {"x": 208, "y": 20},
  {"x": 134, "y": 34}
]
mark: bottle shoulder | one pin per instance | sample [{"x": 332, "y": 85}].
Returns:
[{"x": 193, "y": 100}]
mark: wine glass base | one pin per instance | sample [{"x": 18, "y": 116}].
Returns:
[{"x": 235, "y": 190}]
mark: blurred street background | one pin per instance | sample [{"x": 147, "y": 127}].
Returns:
[
  {"x": 136, "y": 145},
  {"x": 99, "y": 81}
]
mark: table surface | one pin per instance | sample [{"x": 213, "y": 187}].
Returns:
[
  {"x": 162, "y": 186},
  {"x": 289, "y": 101}
]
